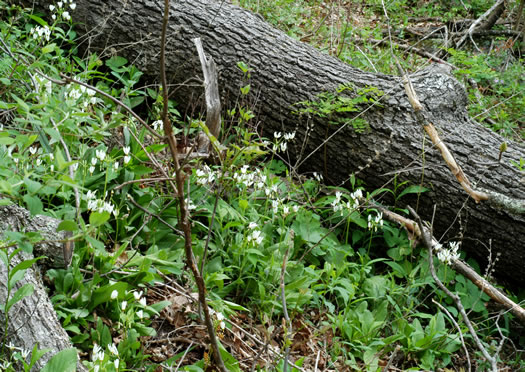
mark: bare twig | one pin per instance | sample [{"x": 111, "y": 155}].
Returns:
[
  {"x": 427, "y": 240},
  {"x": 179, "y": 190}
]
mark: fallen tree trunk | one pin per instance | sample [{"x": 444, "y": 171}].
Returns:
[
  {"x": 285, "y": 72},
  {"x": 32, "y": 321}
]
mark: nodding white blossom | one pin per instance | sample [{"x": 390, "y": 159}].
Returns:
[
  {"x": 142, "y": 301},
  {"x": 277, "y": 135},
  {"x": 66, "y": 15},
  {"x": 32, "y": 150},
  {"x": 72, "y": 6},
  {"x": 123, "y": 305},
  {"x": 289, "y": 136},
  {"x": 113, "y": 349},
  {"x": 41, "y": 31},
  {"x": 318, "y": 177},
  {"x": 447, "y": 256},
  {"x": 295, "y": 208},
  {"x": 114, "y": 294},
  {"x": 116, "y": 363},
  {"x": 51, "y": 7},
  {"x": 252, "y": 225},
  {"x": 205, "y": 176},
  {"x": 98, "y": 353},
  {"x": 59, "y": 4},
  {"x": 140, "y": 314},
  {"x": 137, "y": 295},
  {"x": 256, "y": 237},
  {"x": 126, "y": 150},
  {"x": 275, "y": 206},
  {"x": 115, "y": 165},
  {"x": 374, "y": 223},
  {"x": 101, "y": 154},
  {"x": 157, "y": 125}
]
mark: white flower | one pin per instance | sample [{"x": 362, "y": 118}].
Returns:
[
  {"x": 115, "y": 165},
  {"x": 127, "y": 158},
  {"x": 116, "y": 363},
  {"x": 114, "y": 294},
  {"x": 126, "y": 150},
  {"x": 124, "y": 305},
  {"x": 72, "y": 6},
  {"x": 137, "y": 295},
  {"x": 277, "y": 135},
  {"x": 101, "y": 154},
  {"x": 54, "y": 16},
  {"x": 32, "y": 150},
  {"x": 284, "y": 146},
  {"x": 97, "y": 352},
  {"x": 157, "y": 125},
  {"x": 59, "y": 4},
  {"x": 51, "y": 7},
  {"x": 275, "y": 206},
  {"x": 142, "y": 301},
  {"x": 113, "y": 349},
  {"x": 66, "y": 15},
  {"x": 49, "y": 87},
  {"x": 289, "y": 136},
  {"x": 24, "y": 353},
  {"x": 38, "y": 162},
  {"x": 91, "y": 169},
  {"x": 295, "y": 208},
  {"x": 96, "y": 368},
  {"x": 286, "y": 210},
  {"x": 252, "y": 225},
  {"x": 140, "y": 314}
]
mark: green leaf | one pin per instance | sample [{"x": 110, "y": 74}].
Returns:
[
  {"x": 5, "y": 202},
  {"x": 103, "y": 294},
  {"x": 5, "y": 139},
  {"x": 32, "y": 186},
  {"x": 22, "y": 266},
  {"x": 67, "y": 225},
  {"x": 21, "y": 104},
  {"x": 64, "y": 361},
  {"x": 49, "y": 48},
  {"x": 23, "y": 291},
  {"x": 413, "y": 189},
  {"x": 97, "y": 218},
  {"x": 34, "y": 204},
  {"x": 6, "y": 187},
  {"x": 115, "y": 62}
]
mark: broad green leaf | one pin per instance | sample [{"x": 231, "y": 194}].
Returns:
[
  {"x": 21, "y": 267},
  {"x": 23, "y": 291},
  {"x": 97, "y": 218},
  {"x": 103, "y": 294},
  {"x": 63, "y": 361},
  {"x": 413, "y": 189},
  {"x": 67, "y": 225},
  {"x": 48, "y": 48},
  {"x": 32, "y": 186},
  {"x": 5, "y": 202},
  {"x": 34, "y": 204}
]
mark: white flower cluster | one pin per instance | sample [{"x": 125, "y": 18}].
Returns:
[
  {"x": 282, "y": 145},
  {"x": 98, "y": 354},
  {"x": 41, "y": 32},
  {"x": 157, "y": 125},
  {"x": 351, "y": 204},
  {"x": 75, "y": 92},
  {"x": 374, "y": 223},
  {"x": 99, "y": 205},
  {"x": 255, "y": 236},
  {"x": 244, "y": 177},
  {"x": 447, "y": 256},
  {"x": 205, "y": 176},
  {"x": 5, "y": 365},
  {"x": 219, "y": 316}
]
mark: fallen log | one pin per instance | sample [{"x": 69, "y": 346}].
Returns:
[
  {"x": 32, "y": 321},
  {"x": 284, "y": 72}
]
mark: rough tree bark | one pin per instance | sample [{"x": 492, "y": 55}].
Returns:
[
  {"x": 33, "y": 321},
  {"x": 285, "y": 72}
]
